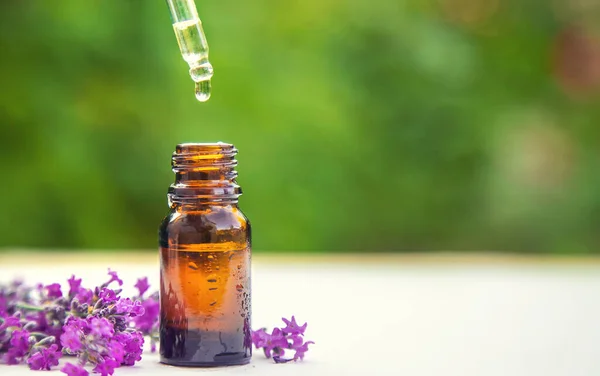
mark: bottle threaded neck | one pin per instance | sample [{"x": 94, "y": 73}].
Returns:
[{"x": 204, "y": 172}]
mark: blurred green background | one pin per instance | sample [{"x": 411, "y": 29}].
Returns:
[{"x": 362, "y": 125}]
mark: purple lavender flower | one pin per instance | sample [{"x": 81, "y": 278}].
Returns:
[
  {"x": 301, "y": 350},
  {"x": 101, "y": 327},
  {"x": 44, "y": 358},
  {"x": 53, "y": 290},
  {"x": 97, "y": 325},
  {"x": 74, "y": 370},
  {"x": 11, "y": 321},
  {"x": 133, "y": 308},
  {"x": 117, "y": 351},
  {"x": 71, "y": 339},
  {"x": 281, "y": 339},
  {"x": 107, "y": 295},
  {"x": 296, "y": 340},
  {"x": 102, "y": 344},
  {"x": 85, "y": 295},
  {"x": 147, "y": 320},
  {"x": 275, "y": 342},
  {"x": 133, "y": 345},
  {"x": 292, "y": 327},
  {"x": 142, "y": 285},
  {"x": 76, "y": 323},
  {"x": 74, "y": 285},
  {"x": 114, "y": 277},
  {"x": 106, "y": 366},
  {"x": 260, "y": 337},
  {"x": 20, "y": 342}
]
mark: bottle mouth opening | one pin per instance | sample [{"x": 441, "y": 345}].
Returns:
[{"x": 205, "y": 148}]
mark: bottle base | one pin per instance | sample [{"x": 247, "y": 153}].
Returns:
[
  {"x": 193, "y": 348},
  {"x": 222, "y": 363}
]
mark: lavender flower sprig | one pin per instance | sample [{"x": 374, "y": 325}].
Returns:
[
  {"x": 99, "y": 327},
  {"x": 290, "y": 337}
]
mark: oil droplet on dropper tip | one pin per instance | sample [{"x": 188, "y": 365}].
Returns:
[{"x": 203, "y": 90}]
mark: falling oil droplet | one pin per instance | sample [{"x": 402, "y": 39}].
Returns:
[{"x": 203, "y": 90}]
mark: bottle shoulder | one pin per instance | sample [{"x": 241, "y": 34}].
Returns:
[
  {"x": 215, "y": 217},
  {"x": 223, "y": 226}
]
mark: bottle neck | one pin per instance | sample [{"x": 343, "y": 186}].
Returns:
[{"x": 204, "y": 175}]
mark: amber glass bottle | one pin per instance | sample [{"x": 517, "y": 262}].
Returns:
[{"x": 205, "y": 262}]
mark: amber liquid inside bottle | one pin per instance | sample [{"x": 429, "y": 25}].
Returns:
[{"x": 205, "y": 262}]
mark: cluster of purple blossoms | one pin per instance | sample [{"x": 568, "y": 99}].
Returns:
[
  {"x": 99, "y": 327},
  {"x": 39, "y": 324},
  {"x": 290, "y": 338},
  {"x": 94, "y": 340}
]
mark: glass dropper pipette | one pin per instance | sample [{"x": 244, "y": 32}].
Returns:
[{"x": 192, "y": 43}]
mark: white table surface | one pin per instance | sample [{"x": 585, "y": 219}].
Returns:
[{"x": 390, "y": 318}]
